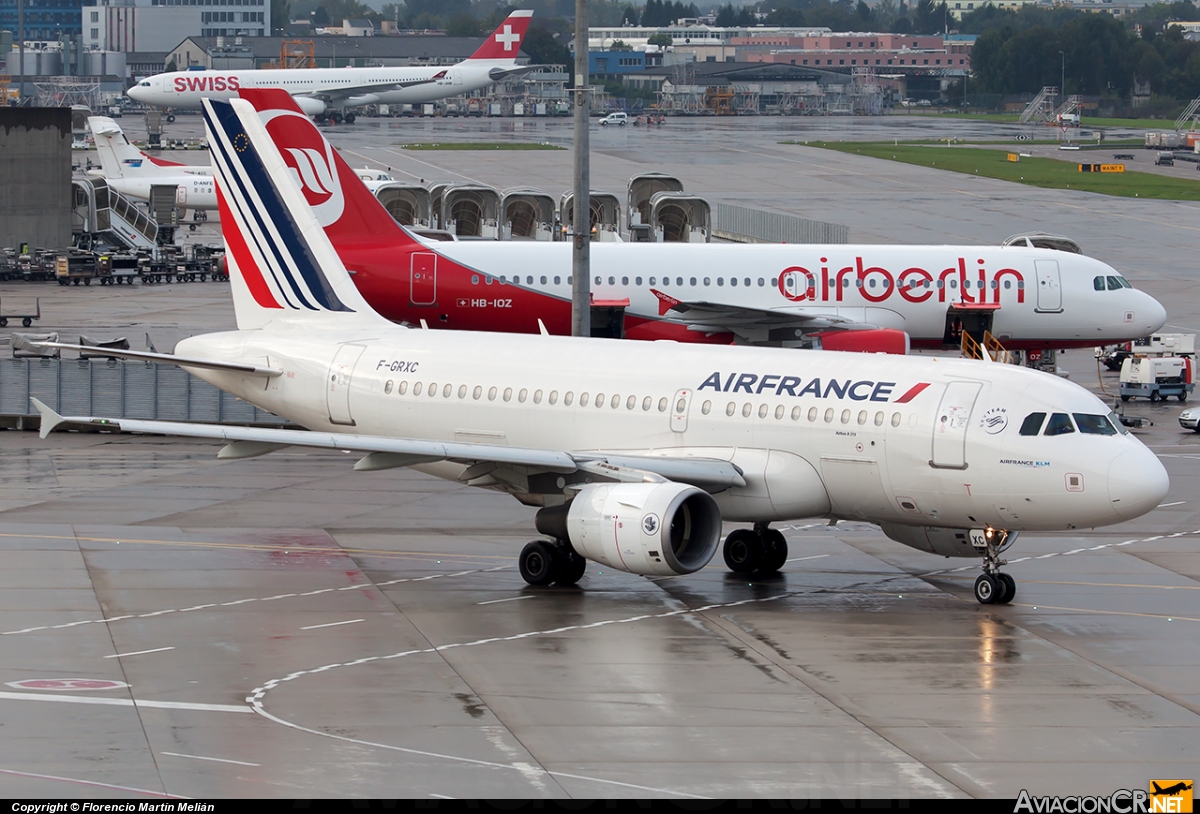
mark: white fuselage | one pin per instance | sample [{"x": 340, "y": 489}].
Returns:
[
  {"x": 184, "y": 89},
  {"x": 816, "y": 433},
  {"x": 192, "y": 191},
  {"x": 1035, "y": 297}
]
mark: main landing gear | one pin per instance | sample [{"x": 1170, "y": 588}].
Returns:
[
  {"x": 760, "y": 550},
  {"x": 992, "y": 587},
  {"x": 543, "y": 562}
]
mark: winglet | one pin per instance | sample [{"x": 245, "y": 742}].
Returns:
[{"x": 50, "y": 419}]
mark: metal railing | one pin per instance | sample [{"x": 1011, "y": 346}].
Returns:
[
  {"x": 746, "y": 225},
  {"x": 120, "y": 389}
]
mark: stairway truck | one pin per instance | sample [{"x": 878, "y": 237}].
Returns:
[
  {"x": 73, "y": 268},
  {"x": 1156, "y": 377}
]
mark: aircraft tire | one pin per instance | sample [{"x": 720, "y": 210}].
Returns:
[
  {"x": 538, "y": 563},
  {"x": 987, "y": 589},
  {"x": 775, "y": 551},
  {"x": 1010, "y": 589},
  {"x": 570, "y": 568},
  {"x": 350, "y": 117},
  {"x": 743, "y": 551}
]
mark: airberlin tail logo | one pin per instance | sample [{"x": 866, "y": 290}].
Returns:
[{"x": 311, "y": 160}]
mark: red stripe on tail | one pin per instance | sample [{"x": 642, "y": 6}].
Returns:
[{"x": 236, "y": 244}]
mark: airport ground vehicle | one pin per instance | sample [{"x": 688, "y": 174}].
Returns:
[
  {"x": 620, "y": 119},
  {"x": 26, "y": 319},
  {"x": 1156, "y": 377},
  {"x": 74, "y": 267},
  {"x": 635, "y": 453},
  {"x": 1113, "y": 356}
]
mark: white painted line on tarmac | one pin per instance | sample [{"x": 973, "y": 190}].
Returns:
[
  {"x": 333, "y": 624},
  {"x": 813, "y": 557},
  {"x": 510, "y": 599},
  {"x": 214, "y": 759},
  {"x": 94, "y": 783},
  {"x": 138, "y": 653},
  {"x": 121, "y": 702},
  {"x": 1176, "y": 503}
]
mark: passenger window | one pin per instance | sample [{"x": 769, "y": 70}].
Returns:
[
  {"x": 693, "y": 281},
  {"x": 568, "y": 398},
  {"x": 862, "y": 416},
  {"x": 447, "y": 390},
  {"x": 1114, "y": 284},
  {"x": 462, "y": 391},
  {"x": 529, "y": 280},
  {"x": 796, "y": 413},
  {"x": 652, "y": 281},
  {"x": 747, "y": 408},
  {"x": 1059, "y": 424},
  {"x": 521, "y": 396},
  {"x": 599, "y": 400},
  {"x": 507, "y": 393},
  {"x": 387, "y": 387},
  {"x": 637, "y": 280},
  {"x": 624, "y": 281},
  {"x": 631, "y": 403},
  {"x": 583, "y": 399},
  {"x": 478, "y": 392},
  {"x": 474, "y": 279},
  {"x": 1032, "y": 424},
  {"x": 402, "y": 389},
  {"x": 708, "y": 280},
  {"x": 845, "y": 416},
  {"x": 829, "y": 416},
  {"x": 812, "y": 413},
  {"x": 895, "y": 419},
  {"x": 1094, "y": 424},
  {"x": 705, "y": 408},
  {"x": 543, "y": 278},
  {"x": 760, "y": 282},
  {"x": 733, "y": 281},
  {"x": 432, "y": 389},
  {"x": 646, "y": 402},
  {"x": 492, "y": 394},
  {"x": 616, "y": 402},
  {"x": 553, "y": 397},
  {"x": 779, "y": 411},
  {"x": 537, "y": 396},
  {"x": 720, "y": 281},
  {"x": 730, "y": 408},
  {"x": 417, "y": 389},
  {"x": 662, "y": 404},
  {"x": 879, "y": 419},
  {"x": 762, "y": 410}
]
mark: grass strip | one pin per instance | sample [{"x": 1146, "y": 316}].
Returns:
[{"x": 1048, "y": 173}]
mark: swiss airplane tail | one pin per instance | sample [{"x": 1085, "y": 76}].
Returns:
[
  {"x": 505, "y": 42},
  {"x": 282, "y": 266},
  {"x": 351, "y": 215},
  {"x": 119, "y": 158}
]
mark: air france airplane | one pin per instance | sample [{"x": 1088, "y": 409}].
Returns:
[
  {"x": 635, "y": 453},
  {"x": 779, "y": 295},
  {"x": 328, "y": 92}
]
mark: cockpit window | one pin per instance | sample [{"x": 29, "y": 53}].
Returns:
[
  {"x": 145, "y": 84},
  {"x": 1114, "y": 283},
  {"x": 1098, "y": 283},
  {"x": 1115, "y": 420},
  {"x": 1094, "y": 424},
  {"x": 1032, "y": 424},
  {"x": 1059, "y": 424}
]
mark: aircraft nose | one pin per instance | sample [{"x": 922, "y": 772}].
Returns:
[
  {"x": 1137, "y": 483},
  {"x": 135, "y": 93},
  {"x": 1150, "y": 312}
]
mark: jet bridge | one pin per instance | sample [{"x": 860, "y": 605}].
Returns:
[
  {"x": 605, "y": 217},
  {"x": 677, "y": 217},
  {"x": 642, "y": 188},
  {"x": 470, "y": 210},
  {"x": 409, "y": 204},
  {"x": 528, "y": 214}
]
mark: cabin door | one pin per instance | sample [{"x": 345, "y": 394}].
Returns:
[
  {"x": 337, "y": 394},
  {"x": 423, "y": 278},
  {"x": 950, "y": 427},
  {"x": 1049, "y": 292}
]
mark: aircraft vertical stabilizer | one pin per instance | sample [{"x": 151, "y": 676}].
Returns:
[{"x": 282, "y": 266}]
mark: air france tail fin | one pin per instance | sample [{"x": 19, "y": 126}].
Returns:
[
  {"x": 505, "y": 42},
  {"x": 119, "y": 158},
  {"x": 351, "y": 215},
  {"x": 282, "y": 267}
]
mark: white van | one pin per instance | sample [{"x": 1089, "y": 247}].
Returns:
[{"x": 615, "y": 118}]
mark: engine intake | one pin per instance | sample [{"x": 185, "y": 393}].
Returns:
[
  {"x": 652, "y": 529},
  {"x": 310, "y": 106}
]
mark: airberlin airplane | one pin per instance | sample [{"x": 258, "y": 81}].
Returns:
[
  {"x": 780, "y": 295},
  {"x": 634, "y": 453},
  {"x": 328, "y": 92}
]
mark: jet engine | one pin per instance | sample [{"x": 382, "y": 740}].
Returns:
[
  {"x": 946, "y": 542},
  {"x": 310, "y": 106},
  {"x": 652, "y": 529}
]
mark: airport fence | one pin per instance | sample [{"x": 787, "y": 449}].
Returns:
[
  {"x": 745, "y": 225},
  {"x": 118, "y": 389}
]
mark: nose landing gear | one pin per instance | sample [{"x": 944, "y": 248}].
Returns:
[
  {"x": 993, "y": 587},
  {"x": 760, "y": 550}
]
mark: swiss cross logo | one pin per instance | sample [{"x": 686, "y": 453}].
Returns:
[{"x": 508, "y": 38}]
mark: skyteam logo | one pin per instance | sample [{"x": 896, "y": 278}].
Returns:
[{"x": 312, "y": 164}]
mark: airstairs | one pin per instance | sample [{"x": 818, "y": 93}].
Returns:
[
  {"x": 990, "y": 350},
  {"x": 101, "y": 215},
  {"x": 1190, "y": 114},
  {"x": 1041, "y": 107}
]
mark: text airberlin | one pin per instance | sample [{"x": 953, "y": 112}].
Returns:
[{"x": 1123, "y": 801}]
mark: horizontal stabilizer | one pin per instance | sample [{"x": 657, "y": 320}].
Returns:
[{"x": 167, "y": 358}]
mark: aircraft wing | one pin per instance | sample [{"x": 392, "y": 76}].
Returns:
[
  {"x": 750, "y": 324},
  {"x": 336, "y": 94},
  {"x": 509, "y": 468}
]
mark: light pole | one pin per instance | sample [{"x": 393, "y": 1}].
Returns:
[{"x": 1062, "y": 88}]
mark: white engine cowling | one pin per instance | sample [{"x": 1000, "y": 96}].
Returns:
[
  {"x": 310, "y": 106},
  {"x": 946, "y": 542},
  {"x": 658, "y": 529}
]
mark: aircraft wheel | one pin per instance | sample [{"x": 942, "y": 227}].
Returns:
[
  {"x": 335, "y": 117},
  {"x": 26, "y": 322},
  {"x": 537, "y": 562},
  {"x": 191, "y": 227},
  {"x": 570, "y": 567},
  {"x": 743, "y": 551},
  {"x": 987, "y": 589},
  {"x": 170, "y": 118},
  {"x": 1010, "y": 589},
  {"x": 3, "y": 322},
  {"x": 775, "y": 551},
  {"x": 350, "y": 117}
]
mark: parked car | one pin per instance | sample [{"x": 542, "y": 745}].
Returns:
[
  {"x": 615, "y": 118},
  {"x": 1189, "y": 419}
]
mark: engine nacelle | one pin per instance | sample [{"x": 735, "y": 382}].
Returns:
[
  {"x": 946, "y": 542},
  {"x": 310, "y": 106},
  {"x": 652, "y": 529}
]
